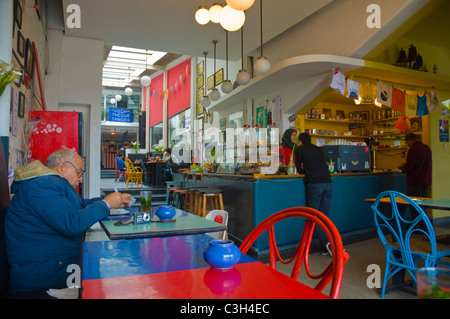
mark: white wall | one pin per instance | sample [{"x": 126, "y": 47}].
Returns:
[{"x": 75, "y": 79}]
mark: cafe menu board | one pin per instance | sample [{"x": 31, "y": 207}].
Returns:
[{"x": 120, "y": 115}]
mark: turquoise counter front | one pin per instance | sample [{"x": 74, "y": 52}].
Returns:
[{"x": 250, "y": 200}]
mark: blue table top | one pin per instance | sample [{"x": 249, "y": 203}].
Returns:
[{"x": 108, "y": 259}]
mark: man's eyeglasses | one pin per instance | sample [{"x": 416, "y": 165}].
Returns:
[{"x": 79, "y": 172}]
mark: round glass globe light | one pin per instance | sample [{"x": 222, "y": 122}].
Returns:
[
  {"x": 128, "y": 91},
  {"x": 262, "y": 65},
  {"x": 240, "y": 4},
  {"x": 242, "y": 77},
  {"x": 112, "y": 101},
  {"x": 227, "y": 86},
  {"x": 118, "y": 97},
  {"x": 214, "y": 95},
  {"x": 214, "y": 12},
  {"x": 202, "y": 15},
  {"x": 231, "y": 20},
  {"x": 205, "y": 102},
  {"x": 146, "y": 80}
]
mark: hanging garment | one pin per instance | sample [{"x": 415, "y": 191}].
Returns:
[
  {"x": 338, "y": 82},
  {"x": 422, "y": 108},
  {"x": 384, "y": 94},
  {"x": 432, "y": 101},
  {"x": 411, "y": 104},
  {"x": 398, "y": 100},
  {"x": 352, "y": 89}
]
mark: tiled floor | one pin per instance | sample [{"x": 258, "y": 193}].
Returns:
[{"x": 354, "y": 285}]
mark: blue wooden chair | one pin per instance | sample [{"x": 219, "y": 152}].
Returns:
[{"x": 412, "y": 239}]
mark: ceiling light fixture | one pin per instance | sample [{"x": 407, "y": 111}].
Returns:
[
  {"x": 205, "y": 102},
  {"x": 231, "y": 20},
  {"x": 262, "y": 65},
  {"x": 240, "y": 4},
  {"x": 146, "y": 80},
  {"x": 215, "y": 94},
  {"x": 215, "y": 11},
  {"x": 128, "y": 90},
  {"x": 202, "y": 15},
  {"x": 227, "y": 86},
  {"x": 243, "y": 76}
]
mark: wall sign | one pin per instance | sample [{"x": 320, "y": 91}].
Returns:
[{"x": 120, "y": 115}]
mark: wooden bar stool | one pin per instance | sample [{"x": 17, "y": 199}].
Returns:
[
  {"x": 171, "y": 198},
  {"x": 180, "y": 195},
  {"x": 215, "y": 200},
  {"x": 169, "y": 185}
]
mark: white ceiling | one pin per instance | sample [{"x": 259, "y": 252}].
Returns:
[{"x": 169, "y": 25}]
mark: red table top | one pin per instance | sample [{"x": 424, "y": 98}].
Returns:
[{"x": 252, "y": 280}]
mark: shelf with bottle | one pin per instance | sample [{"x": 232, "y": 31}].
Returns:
[{"x": 337, "y": 121}]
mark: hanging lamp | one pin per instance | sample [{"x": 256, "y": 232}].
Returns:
[
  {"x": 240, "y": 4},
  {"x": 215, "y": 94},
  {"x": 202, "y": 15},
  {"x": 146, "y": 80},
  {"x": 205, "y": 102},
  {"x": 215, "y": 11},
  {"x": 231, "y": 20},
  {"x": 243, "y": 76},
  {"x": 262, "y": 65},
  {"x": 128, "y": 90},
  {"x": 227, "y": 86}
]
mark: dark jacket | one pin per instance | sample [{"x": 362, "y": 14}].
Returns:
[
  {"x": 315, "y": 168},
  {"x": 44, "y": 227},
  {"x": 418, "y": 166}
]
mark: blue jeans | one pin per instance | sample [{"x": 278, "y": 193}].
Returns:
[{"x": 318, "y": 196}]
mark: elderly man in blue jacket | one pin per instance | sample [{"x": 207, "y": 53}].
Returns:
[{"x": 46, "y": 221}]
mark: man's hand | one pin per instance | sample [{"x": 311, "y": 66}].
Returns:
[{"x": 118, "y": 200}]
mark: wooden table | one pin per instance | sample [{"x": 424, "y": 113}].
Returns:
[
  {"x": 184, "y": 224},
  {"x": 174, "y": 268},
  {"x": 424, "y": 203}
]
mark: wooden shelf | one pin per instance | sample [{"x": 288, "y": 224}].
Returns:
[
  {"x": 337, "y": 122},
  {"x": 338, "y": 136}
]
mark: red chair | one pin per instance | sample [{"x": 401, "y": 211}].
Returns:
[
  {"x": 118, "y": 173},
  {"x": 333, "y": 272}
]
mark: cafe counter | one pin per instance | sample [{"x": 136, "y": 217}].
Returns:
[{"x": 249, "y": 199}]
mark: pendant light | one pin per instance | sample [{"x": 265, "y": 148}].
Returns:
[
  {"x": 231, "y": 20},
  {"x": 215, "y": 11},
  {"x": 215, "y": 94},
  {"x": 240, "y": 4},
  {"x": 146, "y": 80},
  {"x": 243, "y": 76},
  {"x": 128, "y": 90},
  {"x": 205, "y": 102},
  {"x": 118, "y": 97},
  {"x": 262, "y": 65},
  {"x": 227, "y": 86},
  {"x": 202, "y": 15}
]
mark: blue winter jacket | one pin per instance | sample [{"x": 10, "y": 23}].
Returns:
[{"x": 44, "y": 227}]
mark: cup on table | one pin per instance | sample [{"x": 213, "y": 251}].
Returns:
[
  {"x": 433, "y": 283},
  {"x": 146, "y": 201}
]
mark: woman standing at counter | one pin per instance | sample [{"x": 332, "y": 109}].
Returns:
[{"x": 287, "y": 143}]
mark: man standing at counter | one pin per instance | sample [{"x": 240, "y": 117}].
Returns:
[
  {"x": 309, "y": 160},
  {"x": 46, "y": 220},
  {"x": 418, "y": 166}
]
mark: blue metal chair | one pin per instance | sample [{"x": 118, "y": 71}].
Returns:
[{"x": 412, "y": 236}]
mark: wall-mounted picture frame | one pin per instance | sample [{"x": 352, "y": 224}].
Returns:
[
  {"x": 29, "y": 59},
  {"x": 200, "y": 81},
  {"x": 17, "y": 66},
  {"x": 219, "y": 77},
  {"x": 20, "y": 44},
  {"x": 223, "y": 123},
  {"x": 327, "y": 113},
  {"x": 200, "y": 94},
  {"x": 210, "y": 82},
  {"x": 340, "y": 115},
  {"x": 18, "y": 13},
  {"x": 200, "y": 68},
  {"x": 21, "y": 105},
  {"x": 364, "y": 116},
  {"x": 199, "y": 109}
]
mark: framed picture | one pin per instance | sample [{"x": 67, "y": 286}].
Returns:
[
  {"x": 21, "y": 105},
  {"x": 20, "y": 43},
  {"x": 223, "y": 123},
  {"x": 200, "y": 94},
  {"x": 29, "y": 59},
  {"x": 340, "y": 115},
  {"x": 200, "y": 81},
  {"x": 18, "y": 13},
  {"x": 210, "y": 82},
  {"x": 416, "y": 124},
  {"x": 327, "y": 113},
  {"x": 199, "y": 109},
  {"x": 219, "y": 77},
  {"x": 18, "y": 66},
  {"x": 200, "y": 68},
  {"x": 364, "y": 116}
]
